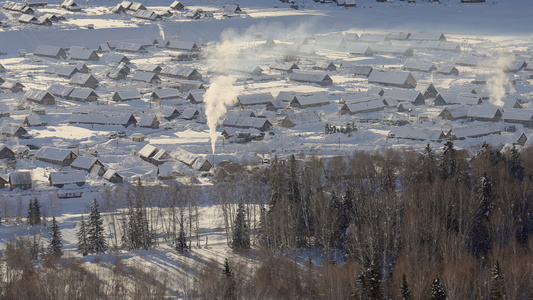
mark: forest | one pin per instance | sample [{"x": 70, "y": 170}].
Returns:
[{"x": 391, "y": 224}]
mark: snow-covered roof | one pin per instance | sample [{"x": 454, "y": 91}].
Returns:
[
  {"x": 319, "y": 98},
  {"x": 33, "y": 120},
  {"x": 147, "y": 15},
  {"x": 52, "y": 153},
  {"x": 255, "y": 99},
  {"x": 67, "y": 177},
  {"x": 51, "y": 51},
  {"x": 82, "y": 53},
  {"x": 102, "y": 118},
  {"x": 62, "y": 70},
  {"x": 304, "y": 117},
  {"x": 144, "y": 76},
  {"x": 182, "y": 45},
  {"x": 483, "y": 111},
  {"x": 60, "y": 90},
  {"x": 392, "y": 78},
  {"x": 166, "y": 93},
  {"x": 125, "y": 95},
  {"x": 146, "y": 120},
  {"x": 82, "y": 93},
  {"x": 148, "y": 151},
  {"x": 517, "y": 114},
  {"x": 84, "y": 162},
  {"x": 361, "y": 107},
  {"x": 314, "y": 77},
  {"x": 372, "y": 38},
  {"x": 435, "y": 36},
  {"x": 360, "y": 49},
  {"x": 286, "y": 96},
  {"x": 476, "y": 130}
]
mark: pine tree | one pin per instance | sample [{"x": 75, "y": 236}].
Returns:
[
  {"x": 480, "y": 237},
  {"x": 497, "y": 286},
  {"x": 230, "y": 288},
  {"x": 83, "y": 246},
  {"x": 404, "y": 289},
  {"x": 515, "y": 164},
  {"x": 360, "y": 286},
  {"x": 181, "y": 241},
  {"x": 34, "y": 212},
  {"x": 448, "y": 164},
  {"x": 56, "y": 245},
  {"x": 241, "y": 234},
  {"x": 373, "y": 282},
  {"x": 95, "y": 231},
  {"x": 428, "y": 164},
  {"x": 437, "y": 290}
]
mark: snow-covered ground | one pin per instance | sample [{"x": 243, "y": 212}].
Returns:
[{"x": 491, "y": 28}]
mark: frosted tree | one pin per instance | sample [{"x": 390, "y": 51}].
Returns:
[
  {"x": 95, "y": 231},
  {"x": 480, "y": 236},
  {"x": 83, "y": 247},
  {"x": 181, "y": 241},
  {"x": 56, "y": 245},
  {"x": 373, "y": 282},
  {"x": 497, "y": 286},
  {"x": 241, "y": 233},
  {"x": 34, "y": 212},
  {"x": 437, "y": 290},
  {"x": 404, "y": 289}
]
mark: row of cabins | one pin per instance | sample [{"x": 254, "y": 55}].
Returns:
[{"x": 457, "y": 133}]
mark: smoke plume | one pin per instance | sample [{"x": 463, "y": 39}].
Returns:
[
  {"x": 498, "y": 83},
  {"x": 221, "y": 93}
]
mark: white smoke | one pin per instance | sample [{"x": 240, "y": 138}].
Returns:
[
  {"x": 498, "y": 84},
  {"x": 161, "y": 31},
  {"x": 221, "y": 93}
]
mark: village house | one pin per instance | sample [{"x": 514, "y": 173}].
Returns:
[
  {"x": 183, "y": 72},
  {"x": 147, "y": 77},
  {"x": 126, "y": 95},
  {"x": 87, "y": 163},
  {"x": 65, "y": 71},
  {"x": 50, "y": 51},
  {"x": 60, "y": 179},
  {"x": 454, "y": 112},
  {"x": 113, "y": 177},
  {"x": 427, "y": 90},
  {"x": 183, "y": 45},
  {"x": 6, "y": 152},
  {"x": 310, "y": 100},
  {"x": 13, "y": 130},
  {"x": 254, "y": 99},
  {"x": 20, "y": 180},
  {"x": 196, "y": 96},
  {"x": 148, "y": 121},
  {"x": 190, "y": 113},
  {"x": 83, "y": 94},
  {"x": 70, "y": 5},
  {"x": 169, "y": 113},
  {"x": 41, "y": 97},
  {"x": 13, "y": 87},
  {"x": 154, "y": 155},
  {"x": 363, "y": 107},
  {"x": 58, "y": 156},
  {"x": 300, "y": 118},
  {"x": 518, "y": 116},
  {"x": 85, "y": 80},
  {"x": 99, "y": 118},
  {"x": 59, "y": 90},
  {"x": 33, "y": 120},
  {"x": 404, "y": 95},
  {"x": 484, "y": 113},
  {"x": 448, "y": 70},
  {"x": 286, "y": 67},
  {"x": 311, "y": 77},
  {"x": 176, "y": 5},
  {"x": 165, "y": 94},
  {"x": 392, "y": 78},
  {"x": 82, "y": 53}
]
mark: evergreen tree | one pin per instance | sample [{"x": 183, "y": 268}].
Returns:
[
  {"x": 262, "y": 234},
  {"x": 515, "y": 164},
  {"x": 448, "y": 164},
  {"x": 241, "y": 234},
  {"x": 360, "y": 286},
  {"x": 404, "y": 289},
  {"x": 181, "y": 241},
  {"x": 230, "y": 288},
  {"x": 373, "y": 282},
  {"x": 497, "y": 286},
  {"x": 56, "y": 245},
  {"x": 437, "y": 290},
  {"x": 480, "y": 237},
  {"x": 34, "y": 212},
  {"x": 83, "y": 246},
  {"x": 428, "y": 165},
  {"x": 95, "y": 231}
]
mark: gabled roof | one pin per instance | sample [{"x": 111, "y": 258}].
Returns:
[
  {"x": 37, "y": 95},
  {"x": 82, "y": 93},
  {"x": 435, "y": 36},
  {"x": 62, "y": 70},
  {"x": 304, "y": 117},
  {"x": 167, "y": 93},
  {"x": 145, "y": 76},
  {"x": 102, "y": 118},
  {"x": 82, "y": 78},
  {"x": 60, "y": 90},
  {"x": 517, "y": 114},
  {"x": 147, "y": 15},
  {"x": 360, "y": 49},
  {"x": 125, "y": 95},
  {"x": 392, "y": 78},
  {"x": 182, "y": 45},
  {"x": 319, "y": 98},
  {"x": 146, "y": 120},
  {"x": 84, "y": 162},
  {"x": 53, "y": 153},
  {"x": 372, "y": 38},
  {"x": 483, "y": 111},
  {"x": 255, "y": 99},
  {"x": 148, "y": 151},
  {"x": 50, "y": 51},
  {"x": 130, "y": 47},
  {"x": 67, "y": 177},
  {"x": 314, "y": 77},
  {"x": 82, "y": 53},
  {"x": 33, "y": 120}
]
